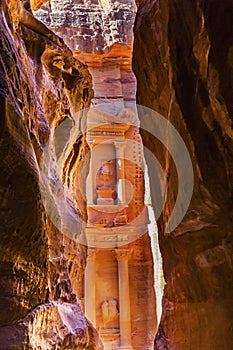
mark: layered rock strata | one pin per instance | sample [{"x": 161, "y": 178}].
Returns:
[
  {"x": 90, "y": 26},
  {"x": 100, "y": 33}
]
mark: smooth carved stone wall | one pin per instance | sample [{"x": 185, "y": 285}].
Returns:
[
  {"x": 124, "y": 276},
  {"x": 41, "y": 84},
  {"x": 186, "y": 75}
]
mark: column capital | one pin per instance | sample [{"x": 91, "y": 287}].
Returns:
[
  {"x": 121, "y": 253},
  {"x": 91, "y": 254},
  {"x": 120, "y": 144},
  {"x": 91, "y": 143}
]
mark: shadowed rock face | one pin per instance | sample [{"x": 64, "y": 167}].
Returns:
[
  {"x": 186, "y": 75},
  {"x": 41, "y": 84}
]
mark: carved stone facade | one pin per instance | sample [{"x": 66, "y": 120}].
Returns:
[
  {"x": 119, "y": 275},
  {"x": 117, "y": 220}
]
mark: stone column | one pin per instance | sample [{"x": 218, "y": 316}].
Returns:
[
  {"x": 90, "y": 189},
  {"x": 90, "y": 308},
  {"x": 124, "y": 299},
  {"x": 119, "y": 146}
]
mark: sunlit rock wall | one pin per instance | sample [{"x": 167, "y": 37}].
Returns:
[
  {"x": 90, "y": 26},
  {"x": 41, "y": 84},
  {"x": 183, "y": 64},
  {"x": 100, "y": 33}
]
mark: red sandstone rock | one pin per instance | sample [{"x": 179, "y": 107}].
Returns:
[
  {"x": 185, "y": 74},
  {"x": 41, "y": 85},
  {"x": 59, "y": 325}
]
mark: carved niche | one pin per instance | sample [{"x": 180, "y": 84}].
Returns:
[
  {"x": 109, "y": 310},
  {"x": 106, "y": 183}
]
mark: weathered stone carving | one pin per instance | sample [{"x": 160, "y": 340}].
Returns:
[
  {"x": 109, "y": 310},
  {"x": 105, "y": 177}
]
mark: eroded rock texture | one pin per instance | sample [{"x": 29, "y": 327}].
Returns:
[
  {"x": 41, "y": 85},
  {"x": 183, "y": 62},
  {"x": 100, "y": 33},
  {"x": 90, "y": 26},
  {"x": 53, "y": 325}
]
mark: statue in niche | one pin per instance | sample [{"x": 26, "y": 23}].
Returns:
[
  {"x": 109, "y": 310},
  {"x": 105, "y": 177},
  {"x": 105, "y": 183}
]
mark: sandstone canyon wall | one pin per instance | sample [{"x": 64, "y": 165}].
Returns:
[
  {"x": 183, "y": 63},
  {"x": 41, "y": 85}
]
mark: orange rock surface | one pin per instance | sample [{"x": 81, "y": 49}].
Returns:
[{"x": 41, "y": 84}]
